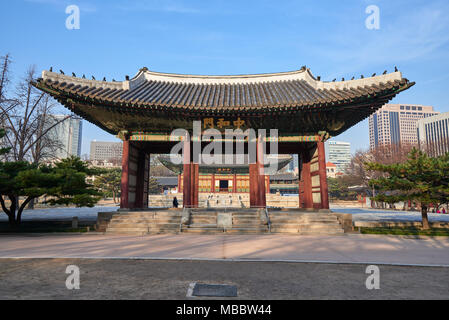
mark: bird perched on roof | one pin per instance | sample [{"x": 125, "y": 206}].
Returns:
[
  {"x": 104, "y": 78},
  {"x": 127, "y": 78},
  {"x": 353, "y": 78},
  {"x": 334, "y": 80},
  {"x": 318, "y": 78},
  {"x": 396, "y": 69},
  {"x": 84, "y": 76},
  {"x": 342, "y": 79},
  {"x": 73, "y": 74},
  {"x": 62, "y": 72},
  {"x": 374, "y": 74},
  {"x": 385, "y": 72},
  {"x": 362, "y": 77},
  {"x": 113, "y": 80},
  {"x": 93, "y": 78},
  {"x": 51, "y": 69}
]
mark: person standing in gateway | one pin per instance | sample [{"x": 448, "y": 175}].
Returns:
[{"x": 175, "y": 203}]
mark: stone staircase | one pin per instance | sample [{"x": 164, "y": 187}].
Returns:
[
  {"x": 201, "y": 221},
  {"x": 223, "y": 221},
  {"x": 241, "y": 221},
  {"x": 144, "y": 222},
  {"x": 251, "y": 221},
  {"x": 305, "y": 223}
]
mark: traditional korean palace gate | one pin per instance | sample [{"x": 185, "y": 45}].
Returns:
[{"x": 144, "y": 110}]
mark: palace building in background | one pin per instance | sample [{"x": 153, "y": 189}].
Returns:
[
  {"x": 396, "y": 123},
  {"x": 145, "y": 109},
  {"x": 231, "y": 177}
]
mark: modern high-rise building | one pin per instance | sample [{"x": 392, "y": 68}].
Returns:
[
  {"x": 396, "y": 123},
  {"x": 69, "y": 134},
  {"x": 433, "y": 134},
  {"x": 105, "y": 151},
  {"x": 339, "y": 153}
]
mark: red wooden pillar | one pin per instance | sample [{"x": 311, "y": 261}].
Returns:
[
  {"x": 253, "y": 185},
  {"x": 260, "y": 164},
  {"x": 257, "y": 196},
  {"x": 142, "y": 177},
  {"x": 186, "y": 190},
  {"x": 213, "y": 183},
  {"x": 191, "y": 178},
  {"x": 179, "y": 183},
  {"x": 234, "y": 184},
  {"x": 305, "y": 192},
  {"x": 187, "y": 183},
  {"x": 124, "y": 203},
  {"x": 323, "y": 176},
  {"x": 195, "y": 184}
]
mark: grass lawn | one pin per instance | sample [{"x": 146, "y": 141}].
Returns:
[{"x": 406, "y": 231}]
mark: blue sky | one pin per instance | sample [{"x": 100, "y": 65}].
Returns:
[{"x": 117, "y": 38}]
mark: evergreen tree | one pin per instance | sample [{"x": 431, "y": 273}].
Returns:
[
  {"x": 420, "y": 178},
  {"x": 3, "y": 150},
  {"x": 109, "y": 183},
  {"x": 63, "y": 183}
]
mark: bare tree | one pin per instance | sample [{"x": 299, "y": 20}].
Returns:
[
  {"x": 116, "y": 159},
  {"x": 385, "y": 154},
  {"x": 27, "y": 120},
  {"x": 26, "y": 117}
]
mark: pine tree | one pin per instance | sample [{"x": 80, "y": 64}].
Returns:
[
  {"x": 421, "y": 179},
  {"x": 3, "y": 150},
  {"x": 63, "y": 183}
]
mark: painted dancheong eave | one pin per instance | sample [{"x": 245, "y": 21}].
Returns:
[{"x": 294, "y": 102}]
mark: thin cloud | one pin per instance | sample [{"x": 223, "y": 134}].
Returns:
[{"x": 404, "y": 37}]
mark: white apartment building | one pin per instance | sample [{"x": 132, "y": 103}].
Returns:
[{"x": 339, "y": 153}]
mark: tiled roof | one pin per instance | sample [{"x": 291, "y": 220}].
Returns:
[{"x": 298, "y": 89}]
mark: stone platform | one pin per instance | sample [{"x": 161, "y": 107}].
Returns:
[{"x": 224, "y": 220}]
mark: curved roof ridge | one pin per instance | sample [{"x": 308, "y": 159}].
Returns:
[{"x": 303, "y": 74}]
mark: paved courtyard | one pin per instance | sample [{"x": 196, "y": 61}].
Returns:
[
  {"x": 350, "y": 248},
  {"x": 149, "y": 279}
]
